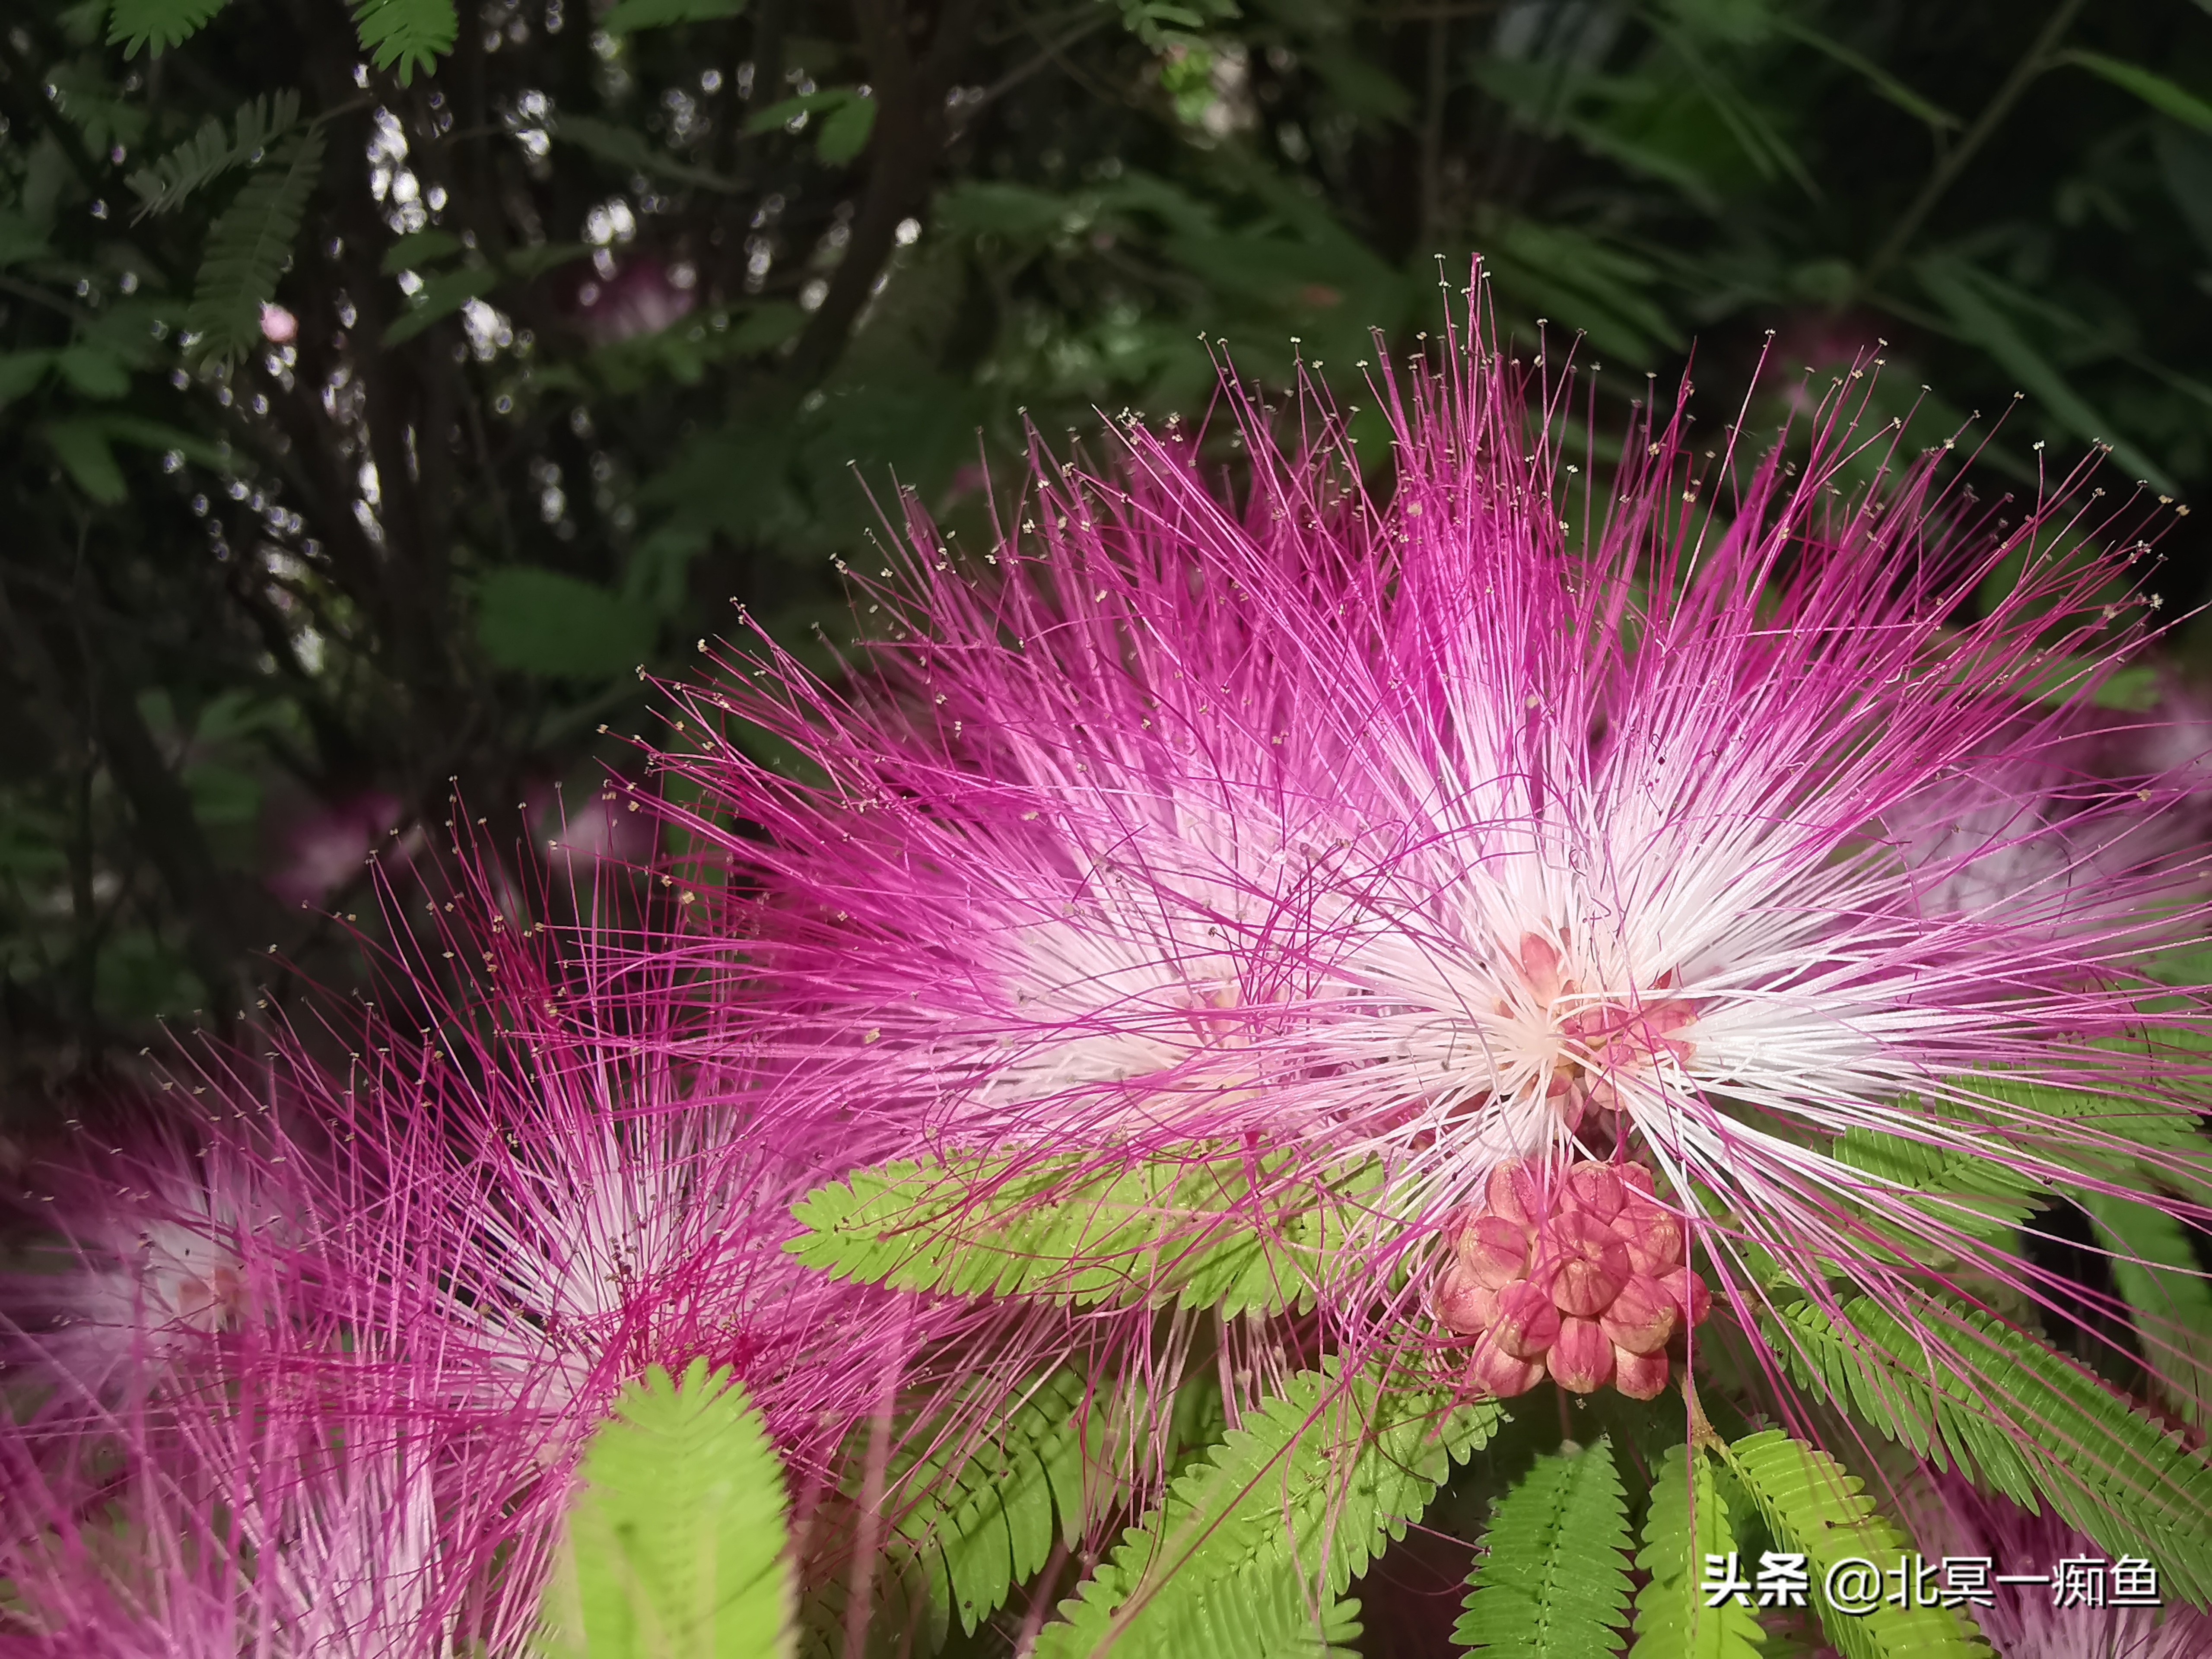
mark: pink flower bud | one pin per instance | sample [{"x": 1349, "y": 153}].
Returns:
[
  {"x": 1492, "y": 1370},
  {"x": 1466, "y": 1305},
  {"x": 1639, "y": 1375},
  {"x": 1571, "y": 1101},
  {"x": 1594, "y": 1187},
  {"x": 1637, "y": 1176},
  {"x": 1689, "y": 1294},
  {"x": 1581, "y": 1359},
  {"x": 1513, "y": 1194},
  {"x": 1494, "y": 1250},
  {"x": 1527, "y": 1321},
  {"x": 1653, "y": 1239},
  {"x": 1642, "y": 1317},
  {"x": 1586, "y": 1265}
]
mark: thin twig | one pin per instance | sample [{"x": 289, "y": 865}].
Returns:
[{"x": 2032, "y": 62}]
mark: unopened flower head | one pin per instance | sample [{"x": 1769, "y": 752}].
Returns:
[{"x": 1421, "y": 825}]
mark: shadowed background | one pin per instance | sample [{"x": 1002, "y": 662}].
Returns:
[{"x": 379, "y": 390}]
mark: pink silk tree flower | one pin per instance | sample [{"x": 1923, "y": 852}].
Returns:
[
  {"x": 141, "y": 1255},
  {"x": 253, "y": 1515},
  {"x": 1411, "y": 825},
  {"x": 456, "y": 1245},
  {"x": 2082, "y": 1613},
  {"x": 580, "y": 1186}
]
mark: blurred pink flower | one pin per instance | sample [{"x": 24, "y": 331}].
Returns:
[
  {"x": 612, "y": 822},
  {"x": 320, "y": 851},
  {"x": 645, "y": 294},
  {"x": 2025, "y": 1621},
  {"x": 365, "y": 1318}
]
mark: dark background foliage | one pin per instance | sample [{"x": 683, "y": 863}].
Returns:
[{"x": 589, "y": 320}]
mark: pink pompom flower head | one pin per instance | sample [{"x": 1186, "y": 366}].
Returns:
[
  {"x": 1691, "y": 905},
  {"x": 364, "y": 1303},
  {"x": 2081, "y": 1608}
]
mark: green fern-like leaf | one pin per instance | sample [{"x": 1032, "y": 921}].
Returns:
[
  {"x": 2155, "y": 1269},
  {"x": 158, "y": 24},
  {"x": 1553, "y": 1582},
  {"x": 248, "y": 246},
  {"x": 1688, "y": 1521},
  {"x": 1960, "y": 1192},
  {"x": 2116, "y": 1137},
  {"x": 674, "y": 1545},
  {"x": 2013, "y": 1414},
  {"x": 631, "y": 15},
  {"x": 1813, "y": 1507},
  {"x": 1197, "y": 1232},
  {"x": 212, "y": 152},
  {"x": 1252, "y": 1552},
  {"x": 980, "y": 1493},
  {"x": 977, "y": 1525},
  {"x": 406, "y": 35}
]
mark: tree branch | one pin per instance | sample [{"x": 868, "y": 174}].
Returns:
[
  {"x": 2032, "y": 62},
  {"x": 905, "y": 148}
]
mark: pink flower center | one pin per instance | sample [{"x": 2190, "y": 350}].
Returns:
[{"x": 1588, "y": 1045}]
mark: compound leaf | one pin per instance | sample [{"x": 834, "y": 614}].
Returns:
[
  {"x": 248, "y": 246},
  {"x": 1552, "y": 1582},
  {"x": 674, "y": 1542},
  {"x": 1814, "y": 1509},
  {"x": 1959, "y": 1388},
  {"x": 1252, "y": 1551},
  {"x": 158, "y": 24},
  {"x": 1688, "y": 1522},
  {"x": 406, "y": 35},
  {"x": 212, "y": 152},
  {"x": 1197, "y": 1229}
]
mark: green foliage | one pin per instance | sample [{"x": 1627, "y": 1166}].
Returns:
[
  {"x": 848, "y": 116},
  {"x": 2155, "y": 90},
  {"x": 1552, "y": 1582},
  {"x": 82, "y": 448},
  {"x": 674, "y": 1543},
  {"x": 629, "y": 14},
  {"x": 1985, "y": 310},
  {"x": 212, "y": 152},
  {"x": 1961, "y": 1193},
  {"x": 1688, "y": 1521},
  {"x": 1814, "y": 1508},
  {"x": 540, "y": 621},
  {"x": 2125, "y": 1138},
  {"x": 158, "y": 24},
  {"x": 1961, "y": 1389},
  {"x": 440, "y": 298},
  {"x": 248, "y": 246},
  {"x": 626, "y": 147},
  {"x": 980, "y": 1516},
  {"x": 418, "y": 249},
  {"x": 2154, "y": 1267},
  {"x": 1200, "y": 1230},
  {"x": 1253, "y": 1550},
  {"x": 405, "y": 35}
]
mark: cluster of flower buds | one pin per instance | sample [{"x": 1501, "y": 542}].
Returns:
[{"x": 1571, "y": 1269}]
